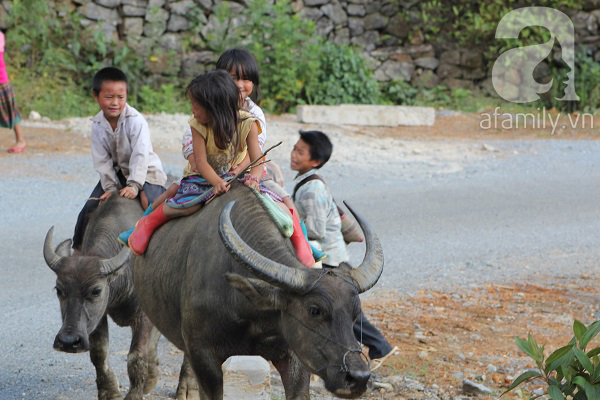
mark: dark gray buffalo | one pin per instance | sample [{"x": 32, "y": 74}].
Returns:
[
  {"x": 247, "y": 294},
  {"x": 96, "y": 283}
]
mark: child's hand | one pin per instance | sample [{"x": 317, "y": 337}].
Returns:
[
  {"x": 234, "y": 169},
  {"x": 128, "y": 192},
  {"x": 192, "y": 163},
  {"x": 105, "y": 196},
  {"x": 221, "y": 187},
  {"x": 251, "y": 181}
]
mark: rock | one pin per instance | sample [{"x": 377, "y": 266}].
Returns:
[
  {"x": 391, "y": 70},
  {"x": 197, "y": 63},
  {"x": 133, "y": 26},
  {"x": 367, "y": 115},
  {"x": 490, "y": 367},
  {"x": 156, "y": 3},
  {"x": 155, "y": 15},
  {"x": 458, "y": 375},
  {"x": 366, "y": 41},
  {"x": 356, "y": 9},
  {"x": 182, "y": 7},
  {"x": 425, "y": 79},
  {"x": 97, "y": 13},
  {"x": 335, "y": 12},
  {"x": 423, "y": 355},
  {"x": 398, "y": 27},
  {"x": 450, "y": 57},
  {"x": 375, "y": 21},
  {"x": 4, "y": 20},
  {"x": 357, "y": 26},
  {"x": 324, "y": 26},
  {"x": 135, "y": 3},
  {"x": 246, "y": 377},
  {"x": 471, "y": 58},
  {"x": 446, "y": 70},
  {"x": 427, "y": 62},
  {"x": 108, "y": 3},
  {"x": 178, "y": 23},
  {"x": 311, "y": 13},
  {"x": 34, "y": 115},
  {"x": 311, "y": 3},
  {"x": 134, "y": 11},
  {"x": 171, "y": 41},
  {"x": 475, "y": 389}
]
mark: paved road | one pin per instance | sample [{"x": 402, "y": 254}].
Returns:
[{"x": 529, "y": 209}]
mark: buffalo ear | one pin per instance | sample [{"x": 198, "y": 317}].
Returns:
[
  {"x": 64, "y": 248},
  {"x": 260, "y": 293}
]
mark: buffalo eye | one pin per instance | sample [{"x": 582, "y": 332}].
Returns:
[
  {"x": 96, "y": 292},
  {"x": 59, "y": 292},
  {"x": 314, "y": 311}
]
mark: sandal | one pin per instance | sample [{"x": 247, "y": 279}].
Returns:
[
  {"x": 17, "y": 149},
  {"x": 378, "y": 362}
]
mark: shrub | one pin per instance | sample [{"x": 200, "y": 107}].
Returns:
[
  {"x": 343, "y": 77},
  {"x": 399, "y": 92},
  {"x": 569, "y": 371}
]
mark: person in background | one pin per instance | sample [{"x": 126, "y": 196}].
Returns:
[
  {"x": 319, "y": 212},
  {"x": 10, "y": 117}
]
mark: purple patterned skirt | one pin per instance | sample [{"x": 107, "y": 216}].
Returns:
[{"x": 194, "y": 190}]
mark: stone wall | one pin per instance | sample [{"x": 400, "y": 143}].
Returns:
[{"x": 395, "y": 48}]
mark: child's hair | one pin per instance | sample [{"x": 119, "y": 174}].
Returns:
[
  {"x": 218, "y": 94},
  {"x": 111, "y": 74},
  {"x": 241, "y": 63},
  {"x": 320, "y": 146}
]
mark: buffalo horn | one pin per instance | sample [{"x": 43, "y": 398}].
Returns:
[
  {"x": 280, "y": 275},
  {"x": 52, "y": 259},
  {"x": 114, "y": 264},
  {"x": 366, "y": 275}
]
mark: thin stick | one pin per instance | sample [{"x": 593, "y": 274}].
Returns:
[{"x": 253, "y": 164}]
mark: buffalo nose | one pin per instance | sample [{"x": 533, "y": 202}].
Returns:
[
  {"x": 68, "y": 342},
  {"x": 357, "y": 379}
]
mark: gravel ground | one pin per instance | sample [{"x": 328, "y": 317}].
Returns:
[{"x": 450, "y": 213}]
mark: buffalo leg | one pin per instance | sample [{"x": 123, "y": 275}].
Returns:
[
  {"x": 106, "y": 380},
  {"x": 209, "y": 375},
  {"x": 187, "y": 389},
  {"x": 295, "y": 378},
  {"x": 141, "y": 358}
]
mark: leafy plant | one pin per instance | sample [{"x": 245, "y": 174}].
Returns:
[
  {"x": 569, "y": 371},
  {"x": 399, "y": 92},
  {"x": 167, "y": 98},
  {"x": 343, "y": 77}
]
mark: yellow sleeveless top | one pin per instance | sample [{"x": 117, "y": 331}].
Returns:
[{"x": 221, "y": 160}]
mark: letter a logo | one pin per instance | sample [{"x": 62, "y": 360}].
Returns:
[{"x": 512, "y": 73}]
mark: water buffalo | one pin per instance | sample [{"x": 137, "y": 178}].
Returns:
[
  {"x": 95, "y": 283},
  {"x": 246, "y": 293}
]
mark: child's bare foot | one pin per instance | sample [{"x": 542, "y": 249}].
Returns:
[{"x": 18, "y": 147}]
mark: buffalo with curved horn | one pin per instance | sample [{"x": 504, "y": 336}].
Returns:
[
  {"x": 245, "y": 293},
  {"x": 96, "y": 283}
]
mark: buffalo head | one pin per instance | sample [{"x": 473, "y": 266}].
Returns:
[
  {"x": 318, "y": 307},
  {"x": 82, "y": 287}
]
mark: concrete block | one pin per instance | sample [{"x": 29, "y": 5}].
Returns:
[
  {"x": 367, "y": 115},
  {"x": 246, "y": 377}
]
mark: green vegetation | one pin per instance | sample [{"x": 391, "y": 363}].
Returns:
[
  {"x": 52, "y": 57},
  {"x": 569, "y": 371}
]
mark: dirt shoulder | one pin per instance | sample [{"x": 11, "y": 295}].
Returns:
[{"x": 445, "y": 337}]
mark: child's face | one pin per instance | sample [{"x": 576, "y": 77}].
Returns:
[
  {"x": 199, "y": 112},
  {"x": 112, "y": 99},
  {"x": 245, "y": 86},
  {"x": 300, "y": 158}
]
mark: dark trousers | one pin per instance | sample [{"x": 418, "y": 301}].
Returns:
[
  {"x": 367, "y": 334},
  {"x": 370, "y": 336},
  {"x": 152, "y": 192}
]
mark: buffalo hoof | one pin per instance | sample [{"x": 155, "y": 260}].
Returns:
[
  {"x": 151, "y": 380},
  {"x": 188, "y": 389},
  {"x": 108, "y": 386}
]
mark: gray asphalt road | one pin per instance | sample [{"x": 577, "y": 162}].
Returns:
[{"x": 529, "y": 209}]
